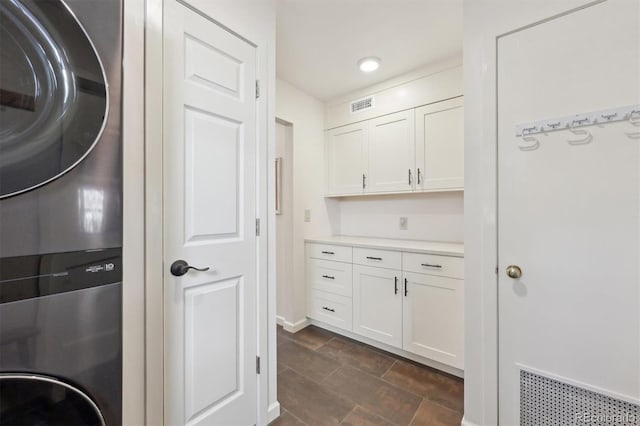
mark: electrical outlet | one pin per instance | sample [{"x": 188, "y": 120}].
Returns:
[
  {"x": 404, "y": 223},
  {"x": 307, "y": 215}
]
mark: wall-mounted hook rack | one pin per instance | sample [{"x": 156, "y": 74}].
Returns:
[{"x": 578, "y": 120}]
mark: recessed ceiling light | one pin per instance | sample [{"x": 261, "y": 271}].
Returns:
[{"x": 369, "y": 64}]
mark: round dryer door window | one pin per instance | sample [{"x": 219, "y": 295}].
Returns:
[
  {"x": 53, "y": 93},
  {"x": 38, "y": 400}
]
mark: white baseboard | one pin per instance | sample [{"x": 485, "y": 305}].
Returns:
[
  {"x": 292, "y": 327},
  {"x": 273, "y": 412},
  {"x": 466, "y": 422}
]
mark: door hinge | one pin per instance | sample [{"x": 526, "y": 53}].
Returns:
[
  {"x": 257, "y": 89},
  {"x": 257, "y": 365},
  {"x": 257, "y": 227}
]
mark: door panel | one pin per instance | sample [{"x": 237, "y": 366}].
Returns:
[
  {"x": 440, "y": 145},
  {"x": 377, "y": 306},
  {"x": 209, "y": 221},
  {"x": 392, "y": 153},
  {"x": 433, "y": 316},
  {"x": 347, "y": 159},
  {"x": 568, "y": 214},
  {"x": 212, "y": 176}
]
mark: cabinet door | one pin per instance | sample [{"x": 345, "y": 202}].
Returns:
[
  {"x": 346, "y": 152},
  {"x": 440, "y": 145},
  {"x": 377, "y": 304},
  {"x": 392, "y": 153},
  {"x": 433, "y": 318}
]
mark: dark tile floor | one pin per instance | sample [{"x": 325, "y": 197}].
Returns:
[{"x": 327, "y": 379}]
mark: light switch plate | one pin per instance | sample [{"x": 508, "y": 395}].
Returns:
[
  {"x": 404, "y": 223},
  {"x": 307, "y": 215}
]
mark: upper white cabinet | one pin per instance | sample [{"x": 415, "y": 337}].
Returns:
[
  {"x": 420, "y": 149},
  {"x": 392, "y": 153},
  {"x": 347, "y": 158},
  {"x": 440, "y": 145}
]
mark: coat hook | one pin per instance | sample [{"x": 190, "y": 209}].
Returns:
[
  {"x": 634, "y": 119},
  {"x": 534, "y": 143},
  {"x": 585, "y": 135}
]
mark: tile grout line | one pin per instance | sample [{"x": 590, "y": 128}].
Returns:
[{"x": 416, "y": 413}]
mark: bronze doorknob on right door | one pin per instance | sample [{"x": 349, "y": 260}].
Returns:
[
  {"x": 181, "y": 267},
  {"x": 514, "y": 271}
]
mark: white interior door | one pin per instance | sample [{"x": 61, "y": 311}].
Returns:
[
  {"x": 209, "y": 119},
  {"x": 569, "y": 216},
  {"x": 392, "y": 154}
]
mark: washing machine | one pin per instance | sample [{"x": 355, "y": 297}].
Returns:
[{"x": 60, "y": 212}]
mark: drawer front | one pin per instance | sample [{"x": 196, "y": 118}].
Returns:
[
  {"x": 380, "y": 258},
  {"x": 331, "y": 308},
  {"x": 329, "y": 252},
  {"x": 443, "y": 266},
  {"x": 332, "y": 277}
]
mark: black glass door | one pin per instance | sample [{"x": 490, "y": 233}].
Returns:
[
  {"x": 27, "y": 400},
  {"x": 53, "y": 94}
]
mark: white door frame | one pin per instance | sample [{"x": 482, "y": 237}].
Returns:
[
  {"x": 153, "y": 202},
  {"x": 483, "y": 27}
]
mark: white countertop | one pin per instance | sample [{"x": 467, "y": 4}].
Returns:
[{"x": 429, "y": 247}]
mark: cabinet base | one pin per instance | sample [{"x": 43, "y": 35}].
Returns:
[{"x": 413, "y": 357}]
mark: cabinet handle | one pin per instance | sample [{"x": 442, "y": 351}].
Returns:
[
  {"x": 364, "y": 182},
  {"x": 419, "y": 179},
  {"x": 396, "y": 286},
  {"x": 410, "y": 180},
  {"x": 328, "y": 309},
  {"x": 428, "y": 265},
  {"x": 406, "y": 290},
  {"x": 328, "y": 252},
  {"x": 328, "y": 276},
  {"x": 374, "y": 258}
]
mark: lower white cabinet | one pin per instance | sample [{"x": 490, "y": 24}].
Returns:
[
  {"x": 377, "y": 304},
  {"x": 433, "y": 314},
  {"x": 331, "y": 308},
  {"x": 410, "y": 301}
]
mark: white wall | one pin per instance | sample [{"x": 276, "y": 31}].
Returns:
[
  {"x": 306, "y": 114},
  {"x": 484, "y": 20},
  {"x": 435, "y": 217}
]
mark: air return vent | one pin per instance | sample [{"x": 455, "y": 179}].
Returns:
[
  {"x": 545, "y": 402},
  {"x": 364, "y": 104}
]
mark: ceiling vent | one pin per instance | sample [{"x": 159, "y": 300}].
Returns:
[{"x": 361, "y": 105}]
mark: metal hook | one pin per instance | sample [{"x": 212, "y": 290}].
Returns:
[
  {"x": 634, "y": 120},
  {"x": 535, "y": 143},
  {"x": 586, "y": 135}
]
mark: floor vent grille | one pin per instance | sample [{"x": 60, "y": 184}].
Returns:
[{"x": 546, "y": 402}]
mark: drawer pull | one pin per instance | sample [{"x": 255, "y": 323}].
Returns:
[
  {"x": 428, "y": 265},
  {"x": 374, "y": 258},
  {"x": 329, "y": 277},
  {"x": 328, "y": 309},
  {"x": 328, "y": 252}
]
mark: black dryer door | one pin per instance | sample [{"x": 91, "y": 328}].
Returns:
[
  {"x": 27, "y": 400},
  {"x": 53, "y": 93}
]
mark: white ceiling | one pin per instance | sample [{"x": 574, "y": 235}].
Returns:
[{"x": 320, "y": 41}]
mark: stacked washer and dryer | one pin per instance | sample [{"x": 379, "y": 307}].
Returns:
[{"x": 60, "y": 212}]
